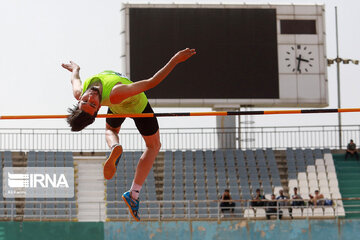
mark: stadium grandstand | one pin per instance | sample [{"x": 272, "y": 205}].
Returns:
[
  {"x": 182, "y": 185},
  {"x": 185, "y": 185}
]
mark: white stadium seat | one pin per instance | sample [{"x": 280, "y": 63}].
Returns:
[
  {"x": 328, "y": 157},
  {"x": 319, "y": 162},
  {"x": 327, "y": 195},
  {"x": 333, "y": 182},
  {"x": 310, "y": 169},
  {"x": 268, "y": 196},
  {"x": 312, "y": 176},
  {"x": 336, "y": 196},
  {"x": 260, "y": 213},
  {"x": 328, "y": 212},
  {"x": 339, "y": 211},
  {"x": 304, "y": 191},
  {"x": 303, "y": 183},
  {"x": 305, "y": 196},
  {"x": 325, "y": 190},
  {"x": 331, "y": 169},
  {"x": 334, "y": 189},
  {"x": 313, "y": 183},
  {"x": 318, "y": 212},
  {"x": 329, "y": 163},
  {"x": 307, "y": 212},
  {"x": 320, "y": 169},
  {"x": 248, "y": 213},
  {"x": 339, "y": 203},
  {"x": 322, "y": 175},
  {"x": 332, "y": 175},
  {"x": 302, "y": 176},
  {"x": 323, "y": 183},
  {"x": 313, "y": 189},
  {"x": 285, "y": 212},
  {"x": 293, "y": 183},
  {"x": 296, "y": 212}
]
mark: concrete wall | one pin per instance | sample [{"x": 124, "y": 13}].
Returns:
[{"x": 195, "y": 230}]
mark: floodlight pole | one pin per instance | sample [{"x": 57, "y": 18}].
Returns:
[{"x": 338, "y": 77}]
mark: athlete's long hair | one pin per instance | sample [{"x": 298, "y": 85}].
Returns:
[{"x": 78, "y": 119}]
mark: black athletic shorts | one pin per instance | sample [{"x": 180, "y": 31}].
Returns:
[{"x": 146, "y": 126}]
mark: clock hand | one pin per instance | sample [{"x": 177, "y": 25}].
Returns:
[
  {"x": 299, "y": 61},
  {"x": 304, "y": 60}
]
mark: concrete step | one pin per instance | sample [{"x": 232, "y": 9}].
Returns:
[{"x": 91, "y": 189}]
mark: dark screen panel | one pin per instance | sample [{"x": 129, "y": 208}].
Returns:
[
  {"x": 236, "y": 52},
  {"x": 298, "y": 26}
]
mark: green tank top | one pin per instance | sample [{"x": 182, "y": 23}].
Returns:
[{"x": 108, "y": 79}]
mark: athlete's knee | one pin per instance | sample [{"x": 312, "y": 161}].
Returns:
[{"x": 154, "y": 145}]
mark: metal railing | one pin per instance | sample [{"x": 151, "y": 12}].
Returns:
[
  {"x": 92, "y": 140},
  {"x": 177, "y": 210}
]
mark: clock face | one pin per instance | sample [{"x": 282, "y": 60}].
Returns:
[{"x": 299, "y": 59}]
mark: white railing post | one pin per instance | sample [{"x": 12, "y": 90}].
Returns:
[{"x": 99, "y": 211}]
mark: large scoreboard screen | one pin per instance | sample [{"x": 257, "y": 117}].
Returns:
[
  {"x": 236, "y": 51},
  {"x": 258, "y": 55}
]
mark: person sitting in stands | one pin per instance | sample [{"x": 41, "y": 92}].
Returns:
[
  {"x": 318, "y": 199},
  {"x": 226, "y": 203},
  {"x": 282, "y": 197},
  {"x": 272, "y": 207},
  {"x": 257, "y": 200},
  {"x": 297, "y": 196},
  {"x": 297, "y": 201},
  {"x": 351, "y": 150}
]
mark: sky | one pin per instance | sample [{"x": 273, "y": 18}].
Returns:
[{"x": 37, "y": 36}]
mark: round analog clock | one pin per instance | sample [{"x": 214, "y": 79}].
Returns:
[{"x": 299, "y": 59}]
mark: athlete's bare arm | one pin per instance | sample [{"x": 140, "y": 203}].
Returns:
[
  {"x": 122, "y": 91},
  {"x": 75, "y": 78}
]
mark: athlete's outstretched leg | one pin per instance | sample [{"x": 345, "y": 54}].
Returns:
[
  {"x": 143, "y": 168},
  {"x": 147, "y": 159}
]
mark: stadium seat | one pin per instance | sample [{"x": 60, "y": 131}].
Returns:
[
  {"x": 334, "y": 189},
  {"x": 313, "y": 183},
  {"x": 328, "y": 212},
  {"x": 310, "y": 169},
  {"x": 339, "y": 211},
  {"x": 320, "y": 168},
  {"x": 312, "y": 176},
  {"x": 307, "y": 212},
  {"x": 249, "y": 213},
  {"x": 336, "y": 196},
  {"x": 322, "y": 175},
  {"x": 302, "y": 176},
  {"x": 260, "y": 213},
  {"x": 304, "y": 191},
  {"x": 319, "y": 162},
  {"x": 318, "y": 212},
  {"x": 323, "y": 183},
  {"x": 331, "y": 175},
  {"x": 331, "y": 169},
  {"x": 303, "y": 184},
  {"x": 296, "y": 212}
]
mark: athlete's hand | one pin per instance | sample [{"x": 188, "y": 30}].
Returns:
[
  {"x": 184, "y": 55},
  {"x": 71, "y": 66}
]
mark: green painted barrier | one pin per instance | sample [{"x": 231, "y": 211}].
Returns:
[{"x": 51, "y": 230}]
